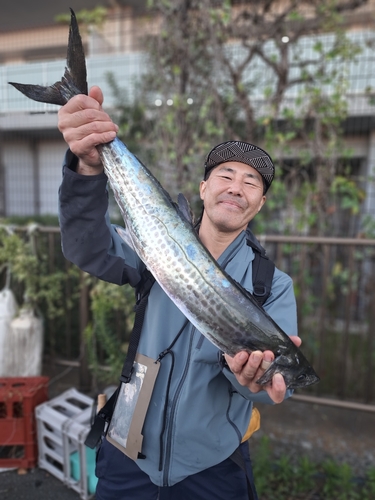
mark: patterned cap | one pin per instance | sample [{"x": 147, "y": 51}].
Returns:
[{"x": 244, "y": 153}]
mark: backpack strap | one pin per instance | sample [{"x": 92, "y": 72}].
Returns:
[
  {"x": 239, "y": 459},
  {"x": 263, "y": 269},
  {"x": 142, "y": 292},
  {"x": 105, "y": 414}
]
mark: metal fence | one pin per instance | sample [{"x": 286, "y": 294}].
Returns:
[{"x": 334, "y": 281}]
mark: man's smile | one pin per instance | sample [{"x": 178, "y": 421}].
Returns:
[{"x": 230, "y": 202}]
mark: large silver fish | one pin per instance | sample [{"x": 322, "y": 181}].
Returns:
[{"x": 166, "y": 242}]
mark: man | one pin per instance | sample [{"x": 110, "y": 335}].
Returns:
[{"x": 201, "y": 404}]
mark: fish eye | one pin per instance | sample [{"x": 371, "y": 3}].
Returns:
[{"x": 301, "y": 377}]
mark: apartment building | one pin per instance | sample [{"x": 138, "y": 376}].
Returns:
[{"x": 33, "y": 49}]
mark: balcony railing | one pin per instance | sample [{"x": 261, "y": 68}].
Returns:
[{"x": 127, "y": 68}]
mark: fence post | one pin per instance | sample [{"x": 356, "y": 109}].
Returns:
[
  {"x": 323, "y": 309},
  {"x": 369, "y": 379},
  {"x": 84, "y": 373}
]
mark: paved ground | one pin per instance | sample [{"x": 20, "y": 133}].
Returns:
[
  {"x": 320, "y": 432},
  {"x": 37, "y": 484},
  {"x": 293, "y": 427}
]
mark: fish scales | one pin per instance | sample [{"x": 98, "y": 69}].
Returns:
[{"x": 168, "y": 245}]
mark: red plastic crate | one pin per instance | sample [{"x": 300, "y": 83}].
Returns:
[{"x": 18, "y": 398}]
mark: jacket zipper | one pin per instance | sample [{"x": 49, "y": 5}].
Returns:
[{"x": 173, "y": 411}]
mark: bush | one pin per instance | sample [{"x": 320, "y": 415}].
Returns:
[{"x": 288, "y": 478}]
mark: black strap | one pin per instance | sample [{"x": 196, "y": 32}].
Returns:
[
  {"x": 100, "y": 419},
  {"x": 105, "y": 414},
  {"x": 142, "y": 292},
  {"x": 263, "y": 269},
  {"x": 238, "y": 459}
]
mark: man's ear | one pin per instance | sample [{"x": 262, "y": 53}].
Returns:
[
  {"x": 262, "y": 202},
  {"x": 202, "y": 189}
]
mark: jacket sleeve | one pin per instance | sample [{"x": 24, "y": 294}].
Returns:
[{"x": 88, "y": 239}]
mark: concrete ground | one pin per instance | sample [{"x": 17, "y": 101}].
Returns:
[
  {"x": 37, "y": 484},
  {"x": 320, "y": 432}
]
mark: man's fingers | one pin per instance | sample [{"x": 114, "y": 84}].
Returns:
[
  {"x": 277, "y": 389},
  {"x": 236, "y": 363},
  {"x": 248, "y": 368},
  {"x": 296, "y": 340},
  {"x": 96, "y": 93}
]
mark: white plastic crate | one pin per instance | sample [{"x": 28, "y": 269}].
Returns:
[
  {"x": 51, "y": 419},
  {"x": 79, "y": 461}
]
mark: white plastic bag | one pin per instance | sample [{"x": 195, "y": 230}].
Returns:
[
  {"x": 8, "y": 308},
  {"x": 26, "y": 345}
]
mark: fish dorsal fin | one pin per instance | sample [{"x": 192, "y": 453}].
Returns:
[{"x": 185, "y": 208}]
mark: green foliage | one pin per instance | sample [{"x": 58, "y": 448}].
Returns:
[
  {"x": 108, "y": 334},
  {"x": 339, "y": 482},
  {"x": 208, "y": 91},
  {"x": 369, "y": 487},
  {"x": 31, "y": 279},
  {"x": 350, "y": 194},
  {"x": 26, "y": 220},
  {"x": 299, "y": 478},
  {"x": 87, "y": 17}
]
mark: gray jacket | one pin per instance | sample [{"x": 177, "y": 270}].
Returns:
[{"x": 200, "y": 421}]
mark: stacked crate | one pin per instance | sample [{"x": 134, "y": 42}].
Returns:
[
  {"x": 62, "y": 427},
  {"x": 19, "y": 396},
  {"x": 79, "y": 460}
]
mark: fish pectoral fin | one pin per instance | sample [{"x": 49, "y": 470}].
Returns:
[
  {"x": 185, "y": 209},
  {"x": 267, "y": 375},
  {"x": 276, "y": 366}
]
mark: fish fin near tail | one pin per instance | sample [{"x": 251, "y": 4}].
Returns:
[
  {"x": 73, "y": 82},
  {"x": 267, "y": 375}
]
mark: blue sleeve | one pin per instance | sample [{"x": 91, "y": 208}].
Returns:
[{"x": 88, "y": 239}]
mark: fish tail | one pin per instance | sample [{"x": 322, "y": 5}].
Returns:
[{"x": 73, "y": 82}]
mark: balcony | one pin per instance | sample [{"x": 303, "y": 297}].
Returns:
[{"x": 128, "y": 68}]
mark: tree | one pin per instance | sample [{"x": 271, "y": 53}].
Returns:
[{"x": 258, "y": 70}]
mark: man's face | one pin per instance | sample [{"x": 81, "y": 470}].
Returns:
[{"x": 232, "y": 196}]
